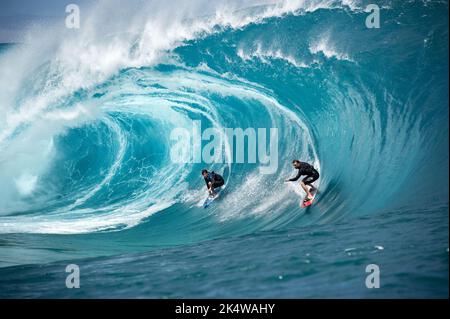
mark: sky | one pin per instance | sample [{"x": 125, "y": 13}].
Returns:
[{"x": 16, "y": 15}]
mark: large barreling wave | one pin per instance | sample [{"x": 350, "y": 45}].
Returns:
[{"x": 87, "y": 116}]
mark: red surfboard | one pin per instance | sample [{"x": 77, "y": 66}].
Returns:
[{"x": 309, "y": 203}]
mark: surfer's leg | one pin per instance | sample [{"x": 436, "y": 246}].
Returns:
[
  {"x": 309, "y": 180},
  {"x": 306, "y": 185},
  {"x": 210, "y": 188},
  {"x": 305, "y": 188},
  {"x": 216, "y": 184}
]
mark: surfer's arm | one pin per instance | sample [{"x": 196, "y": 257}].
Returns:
[{"x": 296, "y": 177}]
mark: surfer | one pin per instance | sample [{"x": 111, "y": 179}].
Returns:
[
  {"x": 212, "y": 180},
  {"x": 311, "y": 176}
]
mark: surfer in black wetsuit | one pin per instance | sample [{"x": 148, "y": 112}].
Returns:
[
  {"x": 311, "y": 176},
  {"x": 212, "y": 180}
]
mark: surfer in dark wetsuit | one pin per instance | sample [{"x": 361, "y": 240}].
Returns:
[
  {"x": 212, "y": 180},
  {"x": 311, "y": 176}
]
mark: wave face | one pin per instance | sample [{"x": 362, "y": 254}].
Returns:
[{"x": 85, "y": 148}]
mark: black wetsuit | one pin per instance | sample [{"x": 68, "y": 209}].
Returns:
[
  {"x": 306, "y": 169},
  {"x": 215, "y": 179}
]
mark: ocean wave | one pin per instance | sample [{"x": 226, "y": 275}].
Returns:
[{"x": 85, "y": 140}]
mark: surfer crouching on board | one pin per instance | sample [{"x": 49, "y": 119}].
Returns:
[
  {"x": 212, "y": 180},
  {"x": 311, "y": 176}
]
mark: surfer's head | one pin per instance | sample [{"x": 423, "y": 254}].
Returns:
[
  {"x": 296, "y": 163},
  {"x": 204, "y": 172}
]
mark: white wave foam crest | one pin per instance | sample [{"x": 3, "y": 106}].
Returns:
[
  {"x": 266, "y": 55},
  {"x": 328, "y": 49},
  {"x": 125, "y": 216},
  {"x": 113, "y": 36}
]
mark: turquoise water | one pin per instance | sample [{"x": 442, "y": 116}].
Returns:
[{"x": 86, "y": 175}]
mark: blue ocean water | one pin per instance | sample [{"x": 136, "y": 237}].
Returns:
[{"x": 86, "y": 175}]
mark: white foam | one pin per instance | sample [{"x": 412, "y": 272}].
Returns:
[
  {"x": 26, "y": 183},
  {"x": 328, "y": 49},
  {"x": 266, "y": 55},
  {"x": 110, "y": 40},
  {"x": 90, "y": 221}
]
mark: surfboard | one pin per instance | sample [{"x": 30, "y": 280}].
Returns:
[
  {"x": 209, "y": 200},
  {"x": 304, "y": 204}
]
